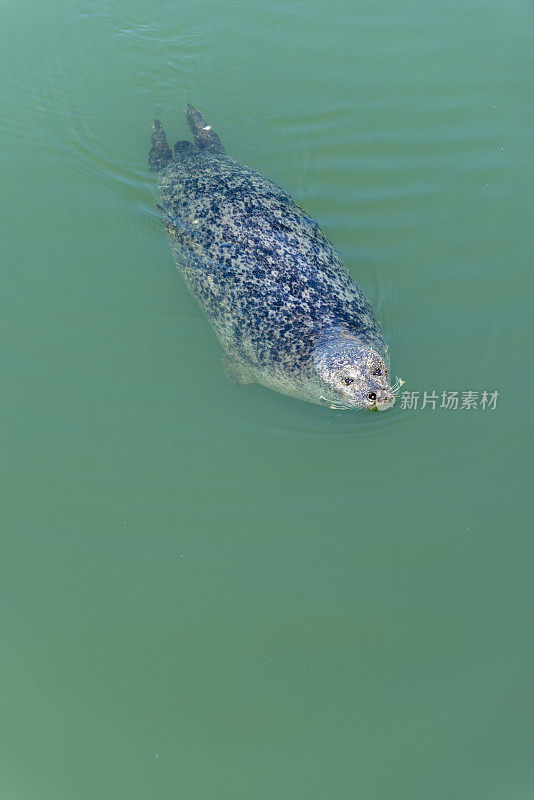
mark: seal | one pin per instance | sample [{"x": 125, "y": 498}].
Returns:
[{"x": 285, "y": 309}]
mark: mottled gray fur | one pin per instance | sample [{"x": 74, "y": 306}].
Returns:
[{"x": 287, "y": 312}]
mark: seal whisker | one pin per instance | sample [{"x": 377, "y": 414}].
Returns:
[{"x": 396, "y": 386}]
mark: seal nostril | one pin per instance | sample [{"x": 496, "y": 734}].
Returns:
[{"x": 371, "y": 396}]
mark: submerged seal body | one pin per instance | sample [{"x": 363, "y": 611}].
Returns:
[{"x": 287, "y": 312}]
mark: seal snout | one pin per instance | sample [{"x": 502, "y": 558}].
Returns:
[{"x": 384, "y": 398}]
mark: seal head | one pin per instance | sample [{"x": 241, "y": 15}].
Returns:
[{"x": 353, "y": 370}]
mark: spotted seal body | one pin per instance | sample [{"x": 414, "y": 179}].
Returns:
[{"x": 287, "y": 312}]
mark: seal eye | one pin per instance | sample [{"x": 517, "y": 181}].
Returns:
[
  {"x": 371, "y": 396},
  {"x": 348, "y": 381},
  {"x": 377, "y": 371}
]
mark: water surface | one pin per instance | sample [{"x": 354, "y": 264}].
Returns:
[{"x": 219, "y": 592}]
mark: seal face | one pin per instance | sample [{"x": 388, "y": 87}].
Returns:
[
  {"x": 353, "y": 369},
  {"x": 286, "y": 311}
]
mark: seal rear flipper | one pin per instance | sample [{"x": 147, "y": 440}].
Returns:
[
  {"x": 235, "y": 371},
  {"x": 205, "y": 138},
  {"x": 160, "y": 152}
]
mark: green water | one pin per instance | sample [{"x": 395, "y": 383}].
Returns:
[{"x": 214, "y": 592}]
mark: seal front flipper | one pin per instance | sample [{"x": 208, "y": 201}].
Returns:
[
  {"x": 235, "y": 371},
  {"x": 160, "y": 152}
]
